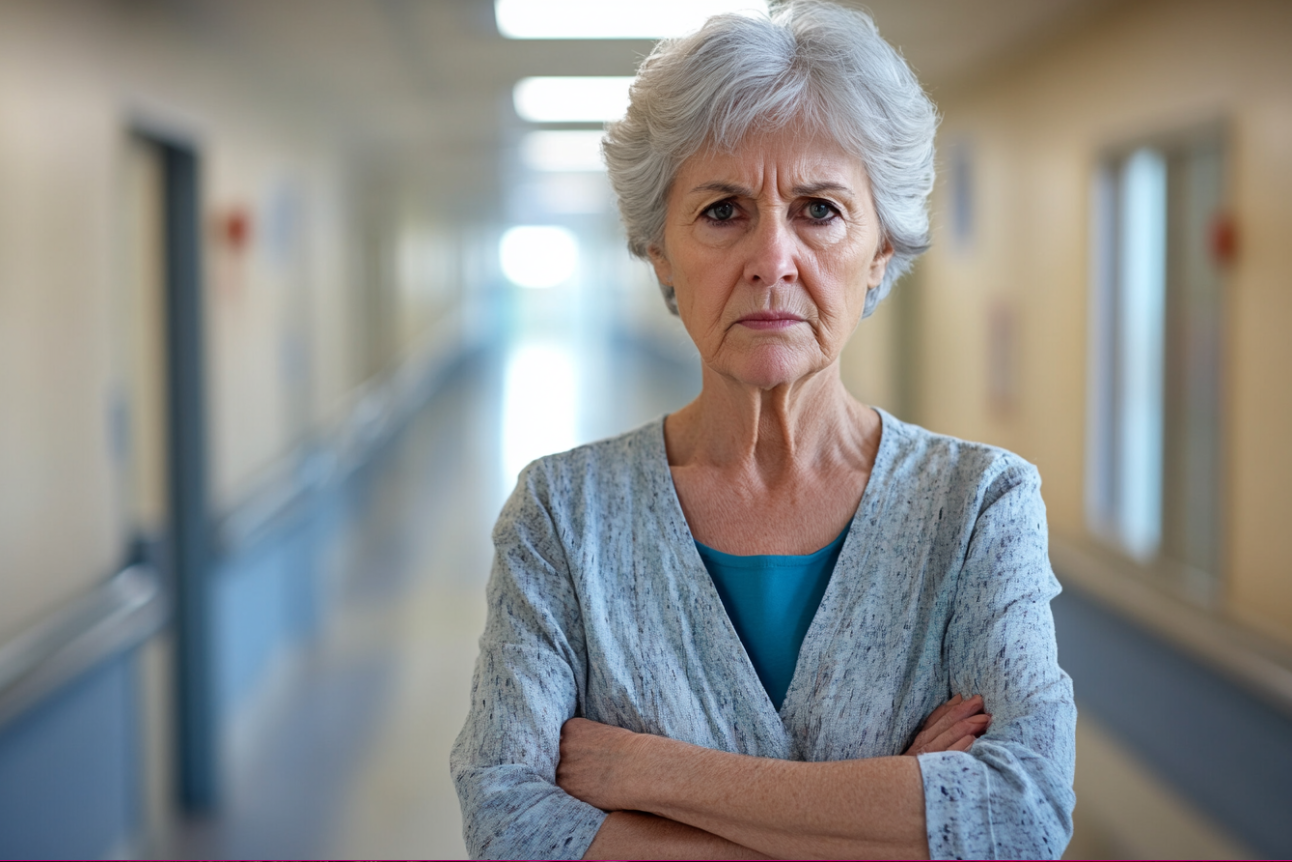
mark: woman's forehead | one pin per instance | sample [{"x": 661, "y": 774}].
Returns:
[{"x": 785, "y": 159}]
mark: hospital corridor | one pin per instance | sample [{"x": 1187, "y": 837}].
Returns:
[{"x": 292, "y": 291}]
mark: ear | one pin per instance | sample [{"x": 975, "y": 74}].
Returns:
[
  {"x": 663, "y": 269},
  {"x": 879, "y": 265}
]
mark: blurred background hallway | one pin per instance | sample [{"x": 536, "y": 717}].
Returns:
[
  {"x": 350, "y": 759},
  {"x": 290, "y": 291}
]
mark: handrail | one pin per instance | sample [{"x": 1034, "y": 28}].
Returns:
[
  {"x": 306, "y": 469},
  {"x": 379, "y": 408},
  {"x": 111, "y": 617},
  {"x": 1253, "y": 661},
  {"x": 128, "y": 608}
]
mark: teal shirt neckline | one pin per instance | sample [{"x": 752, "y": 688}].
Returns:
[{"x": 771, "y": 600}]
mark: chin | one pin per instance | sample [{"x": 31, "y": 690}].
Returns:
[{"x": 769, "y": 368}]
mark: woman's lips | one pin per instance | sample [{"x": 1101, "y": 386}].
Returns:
[{"x": 766, "y": 320}]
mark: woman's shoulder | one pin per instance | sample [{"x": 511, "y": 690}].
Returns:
[
  {"x": 610, "y": 459},
  {"x": 592, "y": 477},
  {"x": 920, "y": 458}
]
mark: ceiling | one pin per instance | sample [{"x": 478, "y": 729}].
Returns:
[{"x": 404, "y": 78}]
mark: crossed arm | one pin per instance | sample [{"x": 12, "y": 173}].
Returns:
[{"x": 670, "y": 799}]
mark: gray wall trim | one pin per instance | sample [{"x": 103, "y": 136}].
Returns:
[
  {"x": 117, "y": 615},
  {"x": 1257, "y": 663}
]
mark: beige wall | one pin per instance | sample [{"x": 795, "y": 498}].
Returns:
[
  {"x": 867, "y": 363},
  {"x": 57, "y": 526},
  {"x": 75, "y": 77},
  {"x": 1035, "y": 130}
]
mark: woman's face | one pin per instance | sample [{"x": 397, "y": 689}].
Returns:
[{"x": 771, "y": 250}]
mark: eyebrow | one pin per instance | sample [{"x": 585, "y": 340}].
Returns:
[
  {"x": 817, "y": 188},
  {"x": 725, "y": 188},
  {"x": 807, "y": 190}
]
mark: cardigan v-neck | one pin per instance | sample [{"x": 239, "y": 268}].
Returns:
[
  {"x": 851, "y": 557},
  {"x": 771, "y": 599}
]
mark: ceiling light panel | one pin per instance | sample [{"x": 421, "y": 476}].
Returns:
[
  {"x": 610, "y": 19},
  {"x": 571, "y": 100}
]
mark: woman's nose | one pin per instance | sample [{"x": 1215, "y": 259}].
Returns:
[{"x": 771, "y": 249}]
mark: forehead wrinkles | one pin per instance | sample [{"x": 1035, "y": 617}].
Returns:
[{"x": 783, "y": 185}]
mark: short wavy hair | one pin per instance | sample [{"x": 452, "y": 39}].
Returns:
[{"x": 809, "y": 61}]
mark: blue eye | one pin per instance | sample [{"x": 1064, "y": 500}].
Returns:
[
  {"x": 819, "y": 210},
  {"x": 721, "y": 211}
]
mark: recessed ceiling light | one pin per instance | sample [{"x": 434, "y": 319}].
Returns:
[
  {"x": 610, "y": 19},
  {"x": 571, "y": 100}
]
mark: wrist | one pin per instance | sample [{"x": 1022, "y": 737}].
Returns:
[{"x": 653, "y": 765}]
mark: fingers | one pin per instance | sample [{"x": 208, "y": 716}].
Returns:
[
  {"x": 950, "y": 723},
  {"x": 955, "y": 712},
  {"x": 974, "y": 726},
  {"x": 941, "y": 711},
  {"x": 964, "y": 744}
]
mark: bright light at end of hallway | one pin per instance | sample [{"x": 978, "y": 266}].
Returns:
[
  {"x": 600, "y": 19},
  {"x": 578, "y": 150},
  {"x": 538, "y": 256},
  {"x": 572, "y": 99},
  {"x": 540, "y": 406}
]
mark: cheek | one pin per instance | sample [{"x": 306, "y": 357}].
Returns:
[
  {"x": 843, "y": 285},
  {"x": 706, "y": 278}
]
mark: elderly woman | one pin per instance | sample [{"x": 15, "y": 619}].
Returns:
[{"x": 717, "y": 635}]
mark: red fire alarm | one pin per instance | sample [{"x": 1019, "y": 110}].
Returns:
[
  {"x": 235, "y": 229},
  {"x": 1223, "y": 239}
]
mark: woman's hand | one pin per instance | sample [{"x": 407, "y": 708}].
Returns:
[
  {"x": 595, "y": 761},
  {"x": 953, "y": 726}
]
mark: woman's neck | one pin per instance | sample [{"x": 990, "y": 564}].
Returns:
[{"x": 811, "y": 424}]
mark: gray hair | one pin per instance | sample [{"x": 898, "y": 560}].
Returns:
[{"x": 810, "y": 61}]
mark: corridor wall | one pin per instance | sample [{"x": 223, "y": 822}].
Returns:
[
  {"x": 292, "y": 270},
  {"x": 1033, "y": 132}
]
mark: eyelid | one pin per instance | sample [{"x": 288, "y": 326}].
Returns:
[
  {"x": 704, "y": 211},
  {"x": 833, "y": 205}
]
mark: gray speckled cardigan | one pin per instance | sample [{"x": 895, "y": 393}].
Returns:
[{"x": 599, "y": 606}]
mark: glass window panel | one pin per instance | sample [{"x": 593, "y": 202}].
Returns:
[{"x": 1142, "y": 310}]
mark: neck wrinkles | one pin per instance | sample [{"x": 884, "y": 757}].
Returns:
[{"x": 808, "y": 424}]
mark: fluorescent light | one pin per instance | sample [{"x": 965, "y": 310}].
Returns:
[
  {"x": 571, "y": 100},
  {"x": 538, "y": 256},
  {"x": 562, "y": 151},
  {"x": 610, "y": 19}
]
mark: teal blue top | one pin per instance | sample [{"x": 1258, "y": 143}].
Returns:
[{"x": 771, "y": 599}]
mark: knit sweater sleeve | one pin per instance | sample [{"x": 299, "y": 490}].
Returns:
[
  {"x": 1011, "y": 795},
  {"x": 529, "y": 679}
]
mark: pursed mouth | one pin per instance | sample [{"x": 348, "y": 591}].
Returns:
[{"x": 769, "y": 320}]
